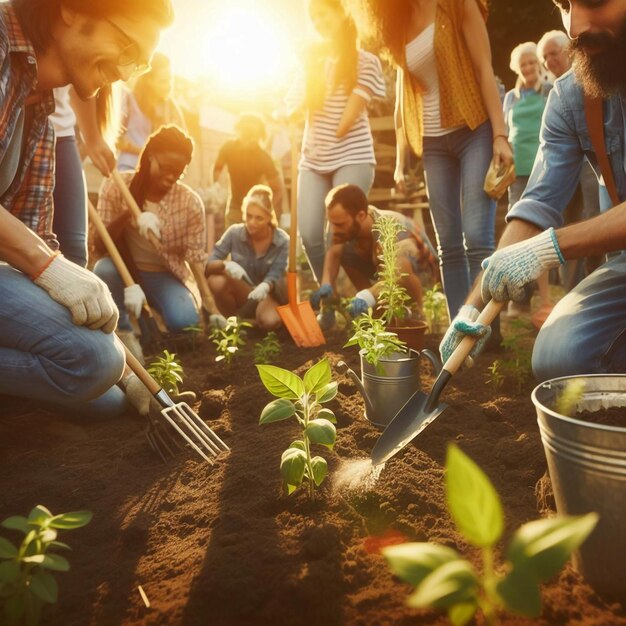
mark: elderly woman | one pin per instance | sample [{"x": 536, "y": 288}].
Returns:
[{"x": 253, "y": 278}]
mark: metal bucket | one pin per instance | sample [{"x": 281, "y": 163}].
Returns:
[{"x": 587, "y": 465}]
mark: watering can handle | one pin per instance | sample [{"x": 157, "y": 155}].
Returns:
[{"x": 487, "y": 315}]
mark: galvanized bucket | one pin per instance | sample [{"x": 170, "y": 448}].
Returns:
[{"x": 587, "y": 465}]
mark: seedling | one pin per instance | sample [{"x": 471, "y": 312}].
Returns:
[
  {"x": 517, "y": 368},
  {"x": 168, "y": 372},
  {"x": 302, "y": 398},
  {"x": 443, "y": 580},
  {"x": 26, "y": 583},
  {"x": 194, "y": 332},
  {"x": 567, "y": 401},
  {"x": 267, "y": 350},
  {"x": 228, "y": 340},
  {"x": 496, "y": 377},
  {"x": 435, "y": 308},
  {"x": 372, "y": 336}
]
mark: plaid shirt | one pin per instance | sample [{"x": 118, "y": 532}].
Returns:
[
  {"x": 183, "y": 226},
  {"x": 29, "y": 196}
]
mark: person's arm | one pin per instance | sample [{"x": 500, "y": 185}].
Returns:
[
  {"x": 354, "y": 107},
  {"x": 215, "y": 262},
  {"x": 332, "y": 263},
  {"x": 279, "y": 266},
  {"x": 401, "y": 146},
  {"x": 477, "y": 41},
  {"x": 276, "y": 185},
  {"x": 220, "y": 163}
]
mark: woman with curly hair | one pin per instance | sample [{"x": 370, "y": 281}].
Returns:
[{"x": 448, "y": 111}]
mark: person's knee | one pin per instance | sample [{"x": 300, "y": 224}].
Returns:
[
  {"x": 105, "y": 270},
  {"x": 217, "y": 283},
  {"x": 268, "y": 320}
]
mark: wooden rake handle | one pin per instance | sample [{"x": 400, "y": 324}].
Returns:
[{"x": 141, "y": 373}]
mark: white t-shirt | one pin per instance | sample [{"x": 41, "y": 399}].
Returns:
[{"x": 63, "y": 119}]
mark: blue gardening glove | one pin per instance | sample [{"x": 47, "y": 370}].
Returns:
[
  {"x": 464, "y": 324},
  {"x": 509, "y": 270},
  {"x": 363, "y": 301},
  {"x": 261, "y": 291},
  {"x": 325, "y": 291}
]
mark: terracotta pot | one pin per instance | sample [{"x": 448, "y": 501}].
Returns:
[{"x": 412, "y": 332}]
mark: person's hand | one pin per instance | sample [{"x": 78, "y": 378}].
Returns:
[
  {"x": 464, "y": 324},
  {"x": 234, "y": 270},
  {"x": 101, "y": 156},
  {"x": 363, "y": 301},
  {"x": 82, "y": 292},
  {"x": 139, "y": 396},
  {"x": 325, "y": 291},
  {"x": 134, "y": 299},
  {"x": 149, "y": 222},
  {"x": 502, "y": 151},
  {"x": 508, "y": 270},
  {"x": 217, "y": 320},
  {"x": 260, "y": 292}
]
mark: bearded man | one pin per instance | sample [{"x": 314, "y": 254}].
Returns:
[{"x": 586, "y": 331}]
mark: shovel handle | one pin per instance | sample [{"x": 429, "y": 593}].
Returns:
[
  {"x": 293, "y": 200},
  {"x": 487, "y": 315},
  {"x": 142, "y": 374}
]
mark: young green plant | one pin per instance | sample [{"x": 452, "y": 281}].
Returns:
[
  {"x": 568, "y": 400},
  {"x": 26, "y": 581},
  {"x": 228, "y": 340},
  {"x": 445, "y": 581},
  {"x": 517, "y": 367},
  {"x": 435, "y": 308},
  {"x": 302, "y": 398},
  {"x": 195, "y": 332},
  {"x": 267, "y": 350},
  {"x": 168, "y": 372}
]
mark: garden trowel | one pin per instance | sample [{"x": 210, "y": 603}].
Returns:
[{"x": 421, "y": 409}]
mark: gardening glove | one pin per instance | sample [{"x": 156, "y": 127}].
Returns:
[
  {"x": 139, "y": 396},
  {"x": 149, "y": 222},
  {"x": 82, "y": 292},
  {"x": 325, "y": 291},
  {"x": 217, "y": 320},
  {"x": 509, "y": 270},
  {"x": 134, "y": 299},
  {"x": 260, "y": 292},
  {"x": 234, "y": 270},
  {"x": 363, "y": 301},
  {"x": 464, "y": 324}
]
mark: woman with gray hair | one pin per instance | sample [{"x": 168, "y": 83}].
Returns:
[{"x": 253, "y": 280}]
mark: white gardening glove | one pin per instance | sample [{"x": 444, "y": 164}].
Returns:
[
  {"x": 82, "y": 292},
  {"x": 149, "y": 222},
  {"x": 261, "y": 291},
  {"x": 217, "y": 320},
  {"x": 234, "y": 270},
  {"x": 138, "y": 395},
  {"x": 363, "y": 301},
  {"x": 134, "y": 299},
  {"x": 509, "y": 270},
  {"x": 464, "y": 324}
]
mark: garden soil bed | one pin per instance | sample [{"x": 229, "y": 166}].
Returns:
[{"x": 222, "y": 546}]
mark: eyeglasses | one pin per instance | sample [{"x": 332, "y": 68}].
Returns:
[
  {"x": 176, "y": 172},
  {"x": 130, "y": 54}
]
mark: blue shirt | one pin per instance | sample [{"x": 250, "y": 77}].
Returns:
[
  {"x": 564, "y": 143},
  {"x": 269, "y": 267}
]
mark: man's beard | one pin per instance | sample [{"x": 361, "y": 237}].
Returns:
[{"x": 604, "y": 73}]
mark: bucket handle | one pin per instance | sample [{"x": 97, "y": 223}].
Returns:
[{"x": 434, "y": 359}]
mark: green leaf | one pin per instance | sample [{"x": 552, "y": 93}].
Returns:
[
  {"x": 280, "y": 382},
  {"x": 452, "y": 583},
  {"x": 317, "y": 377},
  {"x": 327, "y": 414},
  {"x": 48, "y": 535},
  {"x": 472, "y": 500},
  {"x": 413, "y": 561},
  {"x": 44, "y": 587},
  {"x": 320, "y": 469},
  {"x": 292, "y": 465},
  {"x": 39, "y": 514},
  {"x": 322, "y": 431},
  {"x": 460, "y": 614},
  {"x": 327, "y": 393},
  {"x": 59, "y": 545},
  {"x": 55, "y": 562},
  {"x": 17, "y": 522},
  {"x": 298, "y": 443},
  {"x": 35, "y": 558},
  {"x": 277, "y": 410},
  {"x": 290, "y": 488},
  {"x": 7, "y": 549},
  {"x": 9, "y": 571},
  {"x": 519, "y": 591},
  {"x": 544, "y": 546},
  {"x": 69, "y": 521}
]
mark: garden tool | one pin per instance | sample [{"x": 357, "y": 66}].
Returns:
[
  {"x": 298, "y": 318},
  {"x": 180, "y": 416},
  {"x": 420, "y": 409}
]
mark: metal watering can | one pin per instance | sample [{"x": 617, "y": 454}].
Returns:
[{"x": 386, "y": 390}]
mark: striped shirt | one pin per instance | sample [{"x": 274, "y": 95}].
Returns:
[
  {"x": 29, "y": 194},
  {"x": 181, "y": 215},
  {"x": 322, "y": 151}
]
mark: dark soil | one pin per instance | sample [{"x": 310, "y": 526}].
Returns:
[
  {"x": 614, "y": 416},
  {"x": 222, "y": 546}
]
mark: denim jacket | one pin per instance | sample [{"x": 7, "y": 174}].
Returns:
[
  {"x": 269, "y": 267},
  {"x": 564, "y": 143}
]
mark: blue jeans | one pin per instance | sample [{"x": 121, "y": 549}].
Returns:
[
  {"x": 463, "y": 215},
  {"x": 163, "y": 290},
  {"x": 586, "y": 331},
  {"x": 312, "y": 190},
  {"x": 70, "y": 202},
  {"x": 47, "y": 358}
]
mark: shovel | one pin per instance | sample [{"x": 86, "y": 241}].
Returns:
[
  {"x": 299, "y": 318},
  {"x": 421, "y": 409}
]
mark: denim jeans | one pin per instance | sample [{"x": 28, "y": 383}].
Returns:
[
  {"x": 586, "y": 331},
  {"x": 463, "y": 215},
  {"x": 47, "y": 358},
  {"x": 312, "y": 190},
  {"x": 70, "y": 202},
  {"x": 163, "y": 290}
]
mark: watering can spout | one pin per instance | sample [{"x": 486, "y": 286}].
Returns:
[{"x": 344, "y": 369}]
